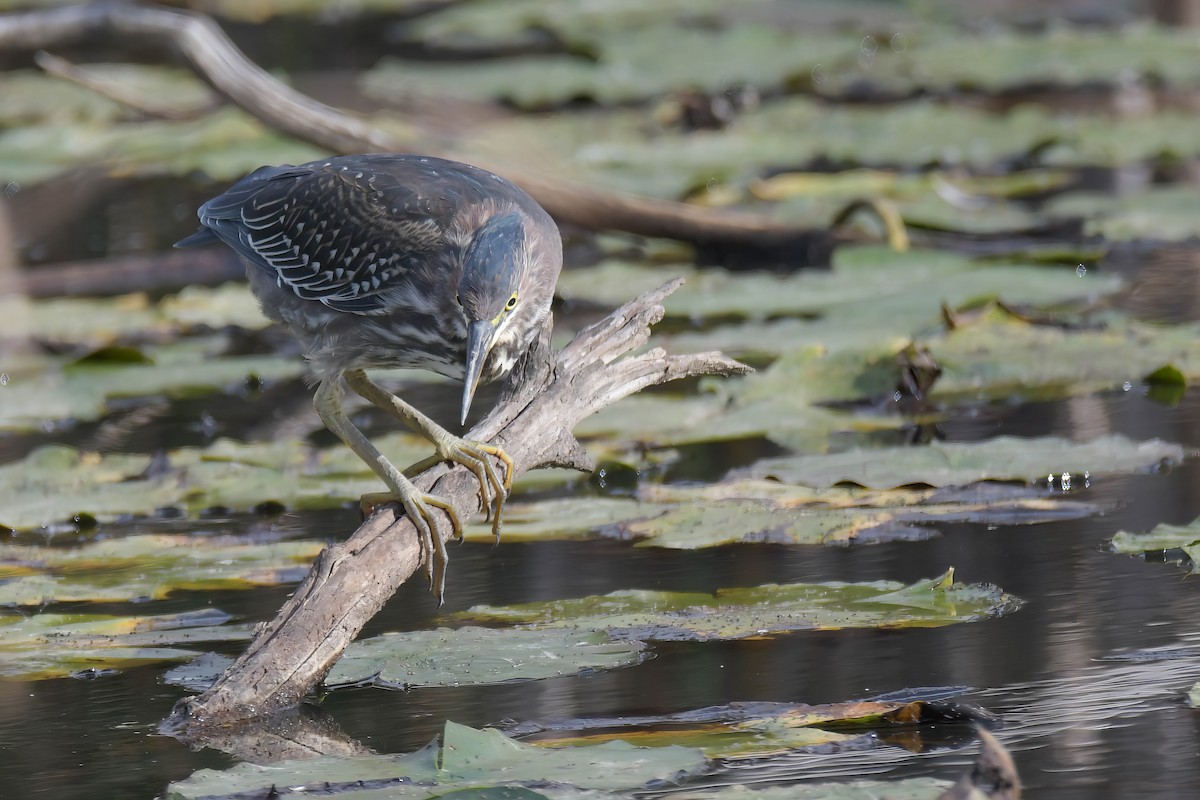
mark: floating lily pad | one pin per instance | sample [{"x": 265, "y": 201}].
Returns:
[
  {"x": 51, "y": 390},
  {"x": 1163, "y": 213},
  {"x": 566, "y": 518},
  {"x": 683, "y": 517},
  {"x": 467, "y": 758},
  {"x": 56, "y": 483},
  {"x": 469, "y": 656},
  {"x": 1004, "y": 458},
  {"x": 146, "y": 567},
  {"x": 762, "y": 610},
  {"x": 38, "y": 646},
  {"x": 691, "y": 526},
  {"x": 224, "y": 145},
  {"x": 997, "y": 357},
  {"x": 452, "y": 657},
  {"x": 906, "y": 289},
  {"x": 1185, "y": 538}
]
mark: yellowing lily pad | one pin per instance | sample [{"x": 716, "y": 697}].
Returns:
[
  {"x": 467, "y": 759},
  {"x": 38, "y": 646},
  {"x": 761, "y": 610},
  {"x": 746, "y": 730}
]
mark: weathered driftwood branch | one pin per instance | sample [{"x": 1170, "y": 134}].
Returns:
[
  {"x": 215, "y": 58},
  {"x": 350, "y": 581}
]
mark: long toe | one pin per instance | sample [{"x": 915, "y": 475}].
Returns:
[
  {"x": 423, "y": 510},
  {"x": 493, "y": 488}
]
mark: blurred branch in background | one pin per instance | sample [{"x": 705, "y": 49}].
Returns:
[{"x": 212, "y": 55}]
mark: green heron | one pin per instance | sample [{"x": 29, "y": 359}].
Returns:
[{"x": 378, "y": 261}]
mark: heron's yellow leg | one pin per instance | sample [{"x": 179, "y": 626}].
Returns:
[
  {"x": 493, "y": 489},
  {"x": 417, "y": 505}
]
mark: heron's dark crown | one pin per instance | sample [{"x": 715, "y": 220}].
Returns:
[{"x": 493, "y": 265}]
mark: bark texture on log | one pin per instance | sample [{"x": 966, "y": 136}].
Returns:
[
  {"x": 214, "y": 57},
  {"x": 350, "y": 581}
]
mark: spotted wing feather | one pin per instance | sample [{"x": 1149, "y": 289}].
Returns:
[{"x": 332, "y": 232}]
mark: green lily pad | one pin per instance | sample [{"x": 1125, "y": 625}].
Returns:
[
  {"x": 699, "y": 525},
  {"x": 55, "y": 483},
  {"x": 49, "y": 390},
  {"x": 761, "y": 610},
  {"x": 1164, "y": 213},
  {"x": 906, "y": 289},
  {"x": 471, "y": 656},
  {"x": 39, "y": 646},
  {"x": 683, "y": 517},
  {"x": 630, "y": 65},
  {"x": 468, "y": 758},
  {"x": 33, "y": 96},
  {"x": 993, "y": 358},
  {"x": 146, "y": 567},
  {"x": 1003, "y": 458},
  {"x": 565, "y": 518},
  {"x": 1185, "y": 538}
]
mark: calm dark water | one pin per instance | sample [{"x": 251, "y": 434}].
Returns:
[{"x": 1081, "y": 728}]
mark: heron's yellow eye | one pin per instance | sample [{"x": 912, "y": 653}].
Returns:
[{"x": 512, "y": 302}]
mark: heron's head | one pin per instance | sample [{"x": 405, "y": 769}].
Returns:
[{"x": 497, "y": 293}]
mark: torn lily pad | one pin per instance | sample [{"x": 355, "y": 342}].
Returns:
[
  {"x": 467, "y": 759},
  {"x": 38, "y": 646},
  {"x": 765, "y": 610},
  {"x": 1184, "y": 538}
]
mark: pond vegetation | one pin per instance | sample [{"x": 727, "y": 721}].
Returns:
[{"x": 959, "y": 489}]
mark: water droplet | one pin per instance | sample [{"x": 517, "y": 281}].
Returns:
[
  {"x": 866, "y": 51},
  {"x": 818, "y": 75},
  {"x": 1126, "y": 386},
  {"x": 12, "y": 188},
  {"x": 1081, "y": 270},
  {"x": 3, "y": 379},
  {"x": 1066, "y": 481},
  {"x": 899, "y": 43},
  {"x": 896, "y": 397}
]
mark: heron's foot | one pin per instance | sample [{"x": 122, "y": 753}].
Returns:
[
  {"x": 420, "y": 509},
  {"x": 477, "y": 457}
]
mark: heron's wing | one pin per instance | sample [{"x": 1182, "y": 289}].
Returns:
[{"x": 339, "y": 232}]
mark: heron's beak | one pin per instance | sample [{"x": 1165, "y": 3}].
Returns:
[{"x": 479, "y": 344}]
